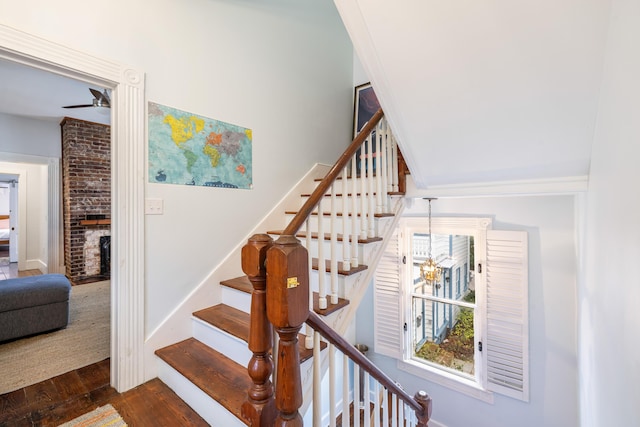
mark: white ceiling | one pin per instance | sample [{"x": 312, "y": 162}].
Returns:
[
  {"x": 29, "y": 92},
  {"x": 485, "y": 91}
]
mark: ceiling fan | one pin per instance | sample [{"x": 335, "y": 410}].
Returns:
[{"x": 100, "y": 99}]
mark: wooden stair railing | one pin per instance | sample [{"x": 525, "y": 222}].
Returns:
[
  {"x": 279, "y": 272},
  {"x": 420, "y": 403}
]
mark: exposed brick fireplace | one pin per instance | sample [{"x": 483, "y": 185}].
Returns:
[{"x": 86, "y": 186}]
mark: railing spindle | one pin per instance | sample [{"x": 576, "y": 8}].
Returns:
[
  {"x": 371, "y": 198},
  {"x": 317, "y": 381},
  {"x": 322, "y": 292},
  {"x": 383, "y": 167},
  {"x": 346, "y": 261},
  {"x": 334, "y": 247},
  {"x": 332, "y": 385},
  {"x": 378, "y": 168},
  {"x": 394, "y": 163},
  {"x": 354, "y": 213},
  {"x": 346, "y": 419},
  {"x": 363, "y": 190}
]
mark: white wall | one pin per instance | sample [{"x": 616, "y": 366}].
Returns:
[
  {"x": 281, "y": 68},
  {"x": 25, "y": 135},
  {"x": 32, "y": 184},
  {"x": 4, "y": 198},
  {"x": 550, "y": 223},
  {"x": 609, "y": 318}
]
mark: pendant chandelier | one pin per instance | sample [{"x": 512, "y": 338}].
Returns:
[{"x": 430, "y": 270}]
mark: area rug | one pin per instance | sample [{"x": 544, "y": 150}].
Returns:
[
  {"x": 104, "y": 416},
  {"x": 84, "y": 341}
]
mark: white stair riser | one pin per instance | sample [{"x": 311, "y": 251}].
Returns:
[
  {"x": 232, "y": 347},
  {"x": 209, "y": 409},
  {"x": 237, "y": 299}
]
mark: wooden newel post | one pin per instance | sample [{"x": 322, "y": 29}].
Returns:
[
  {"x": 425, "y": 401},
  {"x": 259, "y": 409},
  {"x": 288, "y": 309}
]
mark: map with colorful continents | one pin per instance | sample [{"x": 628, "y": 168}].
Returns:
[{"x": 188, "y": 149}]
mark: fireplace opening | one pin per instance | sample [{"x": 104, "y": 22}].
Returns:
[{"x": 105, "y": 256}]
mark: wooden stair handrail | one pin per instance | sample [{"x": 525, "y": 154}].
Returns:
[
  {"x": 422, "y": 409},
  {"x": 331, "y": 176}
]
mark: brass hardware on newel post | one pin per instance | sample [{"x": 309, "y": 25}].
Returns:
[{"x": 287, "y": 310}]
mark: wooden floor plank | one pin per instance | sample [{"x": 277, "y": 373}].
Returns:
[{"x": 65, "y": 397}]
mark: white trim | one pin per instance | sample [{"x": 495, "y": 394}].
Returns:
[
  {"x": 564, "y": 185},
  {"x": 36, "y": 264},
  {"x": 55, "y": 262},
  {"x": 445, "y": 379},
  {"x": 128, "y": 171}
]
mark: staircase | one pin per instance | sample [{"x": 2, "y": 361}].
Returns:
[{"x": 209, "y": 370}]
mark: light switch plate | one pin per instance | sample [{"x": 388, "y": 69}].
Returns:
[{"x": 154, "y": 206}]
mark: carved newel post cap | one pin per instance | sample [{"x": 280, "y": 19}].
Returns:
[{"x": 254, "y": 254}]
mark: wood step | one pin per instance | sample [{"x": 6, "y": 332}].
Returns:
[
  {"x": 327, "y": 236},
  {"x": 215, "y": 374},
  {"x": 244, "y": 285},
  {"x": 377, "y": 215},
  {"x": 341, "y": 270},
  {"x": 236, "y": 322}
]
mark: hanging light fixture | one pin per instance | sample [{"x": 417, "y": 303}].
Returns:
[{"x": 430, "y": 270}]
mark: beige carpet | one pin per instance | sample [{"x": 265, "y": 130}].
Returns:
[
  {"x": 105, "y": 416},
  {"x": 83, "y": 342}
]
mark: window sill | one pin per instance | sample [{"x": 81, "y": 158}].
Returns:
[{"x": 444, "y": 379}]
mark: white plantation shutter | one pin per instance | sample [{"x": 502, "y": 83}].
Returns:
[
  {"x": 387, "y": 311},
  {"x": 507, "y": 340}
]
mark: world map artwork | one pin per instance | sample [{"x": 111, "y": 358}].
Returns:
[{"x": 188, "y": 149}]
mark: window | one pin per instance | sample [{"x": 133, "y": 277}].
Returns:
[{"x": 467, "y": 332}]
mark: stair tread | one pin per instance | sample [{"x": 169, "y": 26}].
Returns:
[
  {"x": 341, "y": 270},
  {"x": 226, "y": 318},
  {"x": 376, "y": 215},
  {"x": 241, "y": 283},
  {"x": 327, "y": 236},
  {"x": 236, "y": 323},
  {"x": 212, "y": 372}
]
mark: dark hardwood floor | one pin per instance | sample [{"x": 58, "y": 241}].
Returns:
[{"x": 67, "y": 396}]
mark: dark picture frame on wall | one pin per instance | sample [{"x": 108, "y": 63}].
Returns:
[{"x": 364, "y": 107}]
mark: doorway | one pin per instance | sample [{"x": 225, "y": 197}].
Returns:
[{"x": 128, "y": 157}]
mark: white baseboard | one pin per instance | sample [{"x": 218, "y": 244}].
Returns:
[{"x": 36, "y": 264}]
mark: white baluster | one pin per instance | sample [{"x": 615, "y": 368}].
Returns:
[
  {"x": 346, "y": 261},
  {"x": 394, "y": 163},
  {"x": 332, "y": 385},
  {"x": 371, "y": 209},
  {"x": 363, "y": 189},
  {"x": 308, "y": 340},
  {"x": 366, "y": 400},
  {"x": 322, "y": 293},
  {"x": 385, "y": 407},
  {"x": 317, "y": 381},
  {"x": 389, "y": 160},
  {"x": 376, "y": 404},
  {"x": 356, "y": 395},
  {"x": 346, "y": 419},
  {"x": 394, "y": 411},
  {"x": 384, "y": 172},
  {"x": 334, "y": 246},
  {"x": 378, "y": 168},
  {"x": 354, "y": 213}
]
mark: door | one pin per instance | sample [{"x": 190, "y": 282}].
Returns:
[{"x": 13, "y": 221}]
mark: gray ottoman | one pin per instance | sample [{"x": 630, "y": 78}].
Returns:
[{"x": 35, "y": 304}]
